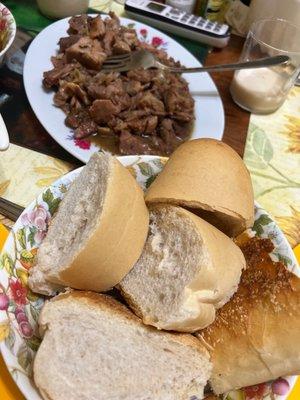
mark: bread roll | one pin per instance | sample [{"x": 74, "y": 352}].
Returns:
[
  {"x": 208, "y": 177},
  {"x": 187, "y": 269},
  {"x": 98, "y": 232},
  {"x": 94, "y": 348},
  {"x": 255, "y": 337}
]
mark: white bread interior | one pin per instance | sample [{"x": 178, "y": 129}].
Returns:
[
  {"x": 98, "y": 232},
  {"x": 187, "y": 270},
  {"x": 255, "y": 337},
  {"x": 94, "y": 348},
  {"x": 208, "y": 177}
]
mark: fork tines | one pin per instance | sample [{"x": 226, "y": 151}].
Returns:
[
  {"x": 119, "y": 59},
  {"x": 116, "y": 62}
]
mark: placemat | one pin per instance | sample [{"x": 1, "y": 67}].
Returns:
[
  {"x": 272, "y": 155},
  {"x": 28, "y": 173}
]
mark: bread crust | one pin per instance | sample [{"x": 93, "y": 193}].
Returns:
[
  {"x": 227, "y": 258},
  {"x": 255, "y": 337},
  {"x": 118, "y": 239},
  {"x": 207, "y": 175}
]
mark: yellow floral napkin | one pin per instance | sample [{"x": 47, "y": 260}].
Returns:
[
  {"x": 272, "y": 156},
  {"x": 24, "y": 173}
]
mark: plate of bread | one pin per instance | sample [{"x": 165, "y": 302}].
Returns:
[{"x": 142, "y": 277}]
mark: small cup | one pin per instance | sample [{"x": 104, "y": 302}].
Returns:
[
  {"x": 263, "y": 90},
  {"x": 62, "y": 8}
]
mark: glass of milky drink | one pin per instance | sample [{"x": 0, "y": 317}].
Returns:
[{"x": 263, "y": 90}]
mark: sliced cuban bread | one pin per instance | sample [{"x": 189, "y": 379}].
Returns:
[
  {"x": 94, "y": 348},
  {"x": 187, "y": 269},
  {"x": 98, "y": 232},
  {"x": 209, "y": 178}
]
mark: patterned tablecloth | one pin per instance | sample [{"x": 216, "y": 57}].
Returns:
[{"x": 272, "y": 156}]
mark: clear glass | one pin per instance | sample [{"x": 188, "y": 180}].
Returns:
[{"x": 264, "y": 90}]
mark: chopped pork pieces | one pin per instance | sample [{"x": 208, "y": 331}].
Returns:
[{"x": 149, "y": 112}]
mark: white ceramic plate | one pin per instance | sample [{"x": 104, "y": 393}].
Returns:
[
  {"x": 20, "y": 307},
  {"x": 208, "y": 105}
]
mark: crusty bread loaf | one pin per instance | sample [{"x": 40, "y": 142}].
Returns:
[
  {"x": 208, "y": 177},
  {"x": 98, "y": 232},
  {"x": 187, "y": 269},
  {"x": 255, "y": 337},
  {"x": 94, "y": 348}
]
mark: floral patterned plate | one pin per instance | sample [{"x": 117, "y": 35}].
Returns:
[
  {"x": 209, "y": 114},
  {"x": 20, "y": 307}
]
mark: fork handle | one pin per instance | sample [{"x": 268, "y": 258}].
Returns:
[{"x": 262, "y": 62}]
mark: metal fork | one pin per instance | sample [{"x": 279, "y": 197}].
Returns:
[{"x": 145, "y": 59}]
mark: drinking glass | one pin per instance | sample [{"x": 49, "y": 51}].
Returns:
[{"x": 264, "y": 90}]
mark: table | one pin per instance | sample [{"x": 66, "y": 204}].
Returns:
[
  {"x": 25, "y": 130},
  {"x": 236, "y": 119}
]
